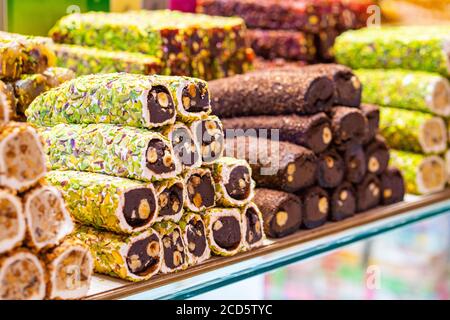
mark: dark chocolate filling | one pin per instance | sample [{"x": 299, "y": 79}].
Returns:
[
  {"x": 238, "y": 186},
  {"x": 313, "y": 217},
  {"x": 294, "y": 219},
  {"x": 303, "y": 177},
  {"x": 393, "y": 188},
  {"x": 173, "y": 248},
  {"x": 139, "y": 207},
  {"x": 347, "y": 94},
  {"x": 207, "y": 140},
  {"x": 196, "y": 238},
  {"x": 203, "y": 193},
  {"x": 198, "y": 98},
  {"x": 146, "y": 264},
  {"x": 229, "y": 235},
  {"x": 320, "y": 95},
  {"x": 160, "y": 110},
  {"x": 343, "y": 203},
  {"x": 355, "y": 163},
  {"x": 315, "y": 137},
  {"x": 330, "y": 170},
  {"x": 381, "y": 155},
  {"x": 373, "y": 124},
  {"x": 171, "y": 200},
  {"x": 164, "y": 162},
  {"x": 254, "y": 233},
  {"x": 352, "y": 129},
  {"x": 180, "y": 139},
  {"x": 369, "y": 194}
]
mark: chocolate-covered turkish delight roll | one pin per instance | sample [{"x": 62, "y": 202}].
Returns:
[
  {"x": 171, "y": 199},
  {"x": 275, "y": 164},
  {"x": 22, "y": 158},
  {"x": 303, "y": 92},
  {"x": 114, "y": 150},
  {"x": 209, "y": 135},
  {"x": 372, "y": 113},
  {"x": 48, "y": 220},
  {"x": 392, "y": 186},
  {"x": 330, "y": 169},
  {"x": 69, "y": 269},
  {"x": 377, "y": 154},
  {"x": 282, "y": 212},
  {"x": 194, "y": 235},
  {"x": 342, "y": 202},
  {"x": 12, "y": 221},
  {"x": 126, "y": 99},
  {"x": 355, "y": 160},
  {"x": 348, "y": 126},
  {"x": 368, "y": 193},
  {"x": 106, "y": 202},
  {"x": 201, "y": 191},
  {"x": 134, "y": 257},
  {"x": 8, "y": 102},
  {"x": 224, "y": 230},
  {"x": 173, "y": 247},
  {"x": 22, "y": 276},
  {"x": 312, "y": 131},
  {"x": 234, "y": 183},
  {"x": 253, "y": 225},
  {"x": 316, "y": 206}
]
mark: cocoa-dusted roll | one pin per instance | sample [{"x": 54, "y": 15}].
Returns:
[
  {"x": 194, "y": 235},
  {"x": 282, "y": 212},
  {"x": 173, "y": 249},
  {"x": 330, "y": 169},
  {"x": 316, "y": 206},
  {"x": 171, "y": 198},
  {"x": 377, "y": 154},
  {"x": 201, "y": 191},
  {"x": 311, "y": 131},
  {"x": 392, "y": 186},
  {"x": 12, "y": 221},
  {"x": 271, "y": 92},
  {"x": 342, "y": 202},
  {"x": 253, "y": 226},
  {"x": 372, "y": 113},
  {"x": 355, "y": 163},
  {"x": 368, "y": 193},
  {"x": 275, "y": 164},
  {"x": 209, "y": 136},
  {"x": 348, "y": 126}
]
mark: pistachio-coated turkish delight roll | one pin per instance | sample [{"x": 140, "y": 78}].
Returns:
[
  {"x": 355, "y": 160},
  {"x": 114, "y": 150},
  {"x": 224, "y": 230},
  {"x": 115, "y": 98},
  {"x": 330, "y": 169},
  {"x": 22, "y": 276},
  {"x": 342, "y": 202},
  {"x": 22, "y": 158},
  {"x": 69, "y": 269},
  {"x": 12, "y": 221},
  {"x": 422, "y": 174},
  {"x": 311, "y": 131},
  {"x": 303, "y": 92},
  {"x": 233, "y": 180},
  {"x": 174, "y": 248},
  {"x": 282, "y": 212},
  {"x": 171, "y": 198},
  {"x": 7, "y": 102},
  {"x": 253, "y": 225},
  {"x": 201, "y": 191},
  {"x": 392, "y": 186},
  {"x": 377, "y": 154},
  {"x": 414, "y": 90},
  {"x": 348, "y": 126},
  {"x": 368, "y": 193},
  {"x": 106, "y": 202},
  {"x": 316, "y": 206},
  {"x": 194, "y": 235},
  {"x": 48, "y": 220},
  {"x": 134, "y": 257},
  {"x": 209, "y": 135},
  {"x": 372, "y": 113},
  {"x": 413, "y": 131},
  {"x": 275, "y": 164}
]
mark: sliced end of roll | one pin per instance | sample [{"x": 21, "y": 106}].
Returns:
[
  {"x": 193, "y": 99},
  {"x": 160, "y": 107},
  {"x": 431, "y": 175},
  {"x": 12, "y": 221},
  {"x": 171, "y": 200},
  {"x": 225, "y": 231},
  {"x": 174, "y": 251},
  {"x": 138, "y": 208},
  {"x": 194, "y": 235},
  {"x": 160, "y": 160},
  {"x": 210, "y": 137},
  {"x": 237, "y": 183},
  {"x": 433, "y": 135},
  {"x": 253, "y": 226},
  {"x": 201, "y": 192},
  {"x": 440, "y": 98},
  {"x": 320, "y": 95},
  {"x": 348, "y": 89},
  {"x": 185, "y": 147}
]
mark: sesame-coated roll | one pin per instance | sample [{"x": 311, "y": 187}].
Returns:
[
  {"x": 348, "y": 126},
  {"x": 392, "y": 186},
  {"x": 8, "y": 102},
  {"x": 201, "y": 191},
  {"x": 342, "y": 202},
  {"x": 174, "y": 251},
  {"x": 316, "y": 205},
  {"x": 355, "y": 160},
  {"x": 134, "y": 257},
  {"x": 372, "y": 113},
  {"x": 368, "y": 193},
  {"x": 224, "y": 230},
  {"x": 106, "y": 202},
  {"x": 209, "y": 135},
  {"x": 194, "y": 235},
  {"x": 12, "y": 221},
  {"x": 171, "y": 198},
  {"x": 253, "y": 224},
  {"x": 330, "y": 169},
  {"x": 114, "y": 150},
  {"x": 282, "y": 212},
  {"x": 377, "y": 155}
]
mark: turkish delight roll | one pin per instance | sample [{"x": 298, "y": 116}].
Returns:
[
  {"x": 224, "y": 230},
  {"x": 316, "y": 206},
  {"x": 22, "y": 276},
  {"x": 303, "y": 92},
  {"x": 368, "y": 193},
  {"x": 134, "y": 257},
  {"x": 311, "y": 131},
  {"x": 372, "y": 113},
  {"x": 201, "y": 191},
  {"x": 275, "y": 164},
  {"x": 348, "y": 126},
  {"x": 355, "y": 160},
  {"x": 115, "y": 98},
  {"x": 330, "y": 169},
  {"x": 194, "y": 235},
  {"x": 253, "y": 224},
  {"x": 114, "y": 150},
  {"x": 8, "y": 102},
  {"x": 414, "y": 90},
  {"x": 282, "y": 212},
  {"x": 115, "y": 204},
  {"x": 69, "y": 269},
  {"x": 422, "y": 174},
  {"x": 234, "y": 183},
  {"x": 22, "y": 158},
  {"x": 174, "y": 248},
  {"x": 342, "y": 202},
  {"x": 413, "y": 130},
  {"x": 12, "y": 221},
  {"x": 209, "y": 135},
  {"x": 377, "y": 154},
  {"x": 48, "y": 220},
  {"x": 392, "y": 186},
  {"x": 171, "y": 199}
]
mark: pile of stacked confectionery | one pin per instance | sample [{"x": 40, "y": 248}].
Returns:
[
  {"x": 330, "y": 162},
  {"x": 292, "y": 30},
  {"x": 139, "y": 162},
  {"x": 36, "y": 261},
  {"x": 152, "y": 42},
  {"x": 405, "y": 72}
]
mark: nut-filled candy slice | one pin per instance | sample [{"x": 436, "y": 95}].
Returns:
[
  {"x": 201, "y": 191},
  {"x": 194, "y": 235},
  {"x": 253, "y": 224},
  {"x": 173, "y": 247},
  {"x": 316, "y": 206},
  {"x": 342, "y": 202},
  {"x": 171, "y": 195},
  {"x": 209, "y": 135},
  {"x": 392, "y": 186}
]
